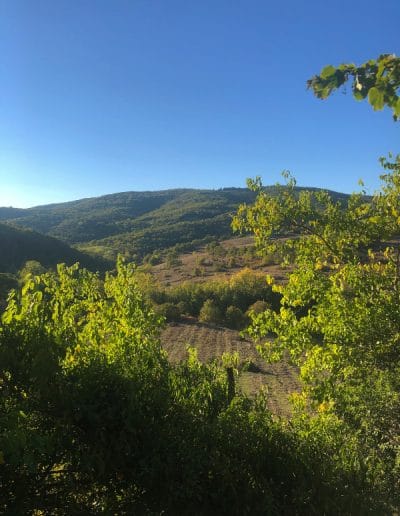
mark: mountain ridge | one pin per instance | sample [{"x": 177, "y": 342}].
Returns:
[{"x": 139, "y": 223}]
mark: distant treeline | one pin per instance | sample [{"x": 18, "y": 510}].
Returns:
[{"x": 225, "y": 301}]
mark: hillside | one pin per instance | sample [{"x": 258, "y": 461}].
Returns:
[
  {"x": 216, "y": 260},
  {"x": 11, "y": 213},
  {"x": 138, "y": 223},
  {"x": 100, "y": 217},
  {"x": 20, "y": 245}
]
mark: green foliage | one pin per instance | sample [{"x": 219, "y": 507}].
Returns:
[
  {"x": 241, "y": 290},
  {"x": 169, "y": 311},
  {"x": 210, "y": 312},
  {"x": 258, "y": 307},
  {"x": 31, "y": 268},
  {"x": 137, "y": 224},
  {"x": 153, "y": 259},
  {"x": 161, "y": 234},
  {"x": 339, "y": 315},
  {"x": 235, "y": 318},
  {"x": 7, "y": 283},
  {"x": 93, "y": 418},
  {"x": 173, "y": 259},
  {"x": 376, "y": 80}
]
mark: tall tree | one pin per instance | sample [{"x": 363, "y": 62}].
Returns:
[{"x": 340, "y": 310}]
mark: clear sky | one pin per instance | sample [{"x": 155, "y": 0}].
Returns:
[{"x": 102, "y": 96}]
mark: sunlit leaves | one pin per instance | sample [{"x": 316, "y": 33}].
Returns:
[
  {"x": 328, "y": 71},
  {"x": 378, "y": 80},
  {"x": 376, "y": 98},
  {"x": 340, "y": 308}
]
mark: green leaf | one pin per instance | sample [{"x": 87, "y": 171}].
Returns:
[
  {"x": 358, "y": 95},
  {"x": 328, "y": 71},
  {"x": 325, "y": 92},
  {"x": 376, "y": 99},
  {"x": 396, "y": 108}
]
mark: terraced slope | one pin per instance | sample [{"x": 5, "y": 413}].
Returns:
[{"x": 212, "y": 341}]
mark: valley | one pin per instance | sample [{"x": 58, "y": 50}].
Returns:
[
  {"x": 189, "y": 240},
  {"x": 171, "y": 344},
  {"x": 186, "y": 307}
]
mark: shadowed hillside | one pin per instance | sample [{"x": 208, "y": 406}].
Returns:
[
  {"x": 11, "y": 213},
  {"x": 20, "y": 245}
]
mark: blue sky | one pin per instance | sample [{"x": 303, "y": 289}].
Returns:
[{"x": 102, "y": 96}]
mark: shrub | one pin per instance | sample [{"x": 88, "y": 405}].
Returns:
[
  {"x": 210, "y": 312},
  {"x": 170, "y": 311},
  {"x": 154, "y": 259},
  {"x": 235, "y": 318},
  {"x": 258, "y": 307},
  {"x": 204, "y": 261},
  {"x": 183, "y": 307},
  {"x": 231, "y": 263},
  {"x": 173, "y": 259}
]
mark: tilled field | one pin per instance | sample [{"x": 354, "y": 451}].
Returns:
[{"x": 211, "y": 341}]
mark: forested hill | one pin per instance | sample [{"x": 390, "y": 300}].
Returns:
[
  {"x": 20, "y": 245},
  {"x": 137, "y": 223},
  {"x": 11, "y": 213},
  {"x": 100, "y": 217}
]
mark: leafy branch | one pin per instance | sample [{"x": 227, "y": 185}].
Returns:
[{"x": 377, "y": 80}]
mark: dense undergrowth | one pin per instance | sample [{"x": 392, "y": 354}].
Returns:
[{"x": 94, "y": 419}]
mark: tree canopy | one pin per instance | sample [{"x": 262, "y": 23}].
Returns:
[{"x": 339, "y": 318}]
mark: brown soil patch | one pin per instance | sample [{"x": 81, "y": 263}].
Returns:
[
  {"x": 280, "y": 379},
  {"x": 209, "y": 267}
]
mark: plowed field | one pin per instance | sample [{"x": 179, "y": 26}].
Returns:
[{"x": 211, "y": 341}]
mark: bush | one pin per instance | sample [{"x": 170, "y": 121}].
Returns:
[
  {"x": 210, "y": 312},
  {"x": 172, "y": 259},
  {"x": 170, "y": 311},
  {"x": 258, "y": 307},
  {"x": 241, "y": 290},
  {"x": 154, "y": 259},
  {"x": 204, "y": 261},
  {"x": 183, "y": 307},
  {"x": 197, "y": 271},
  {"x": 235, "y": 318},
  {"x": 231, "y": 263}
]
